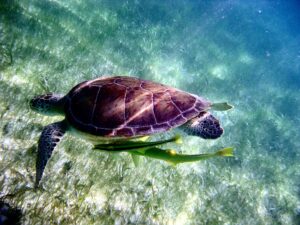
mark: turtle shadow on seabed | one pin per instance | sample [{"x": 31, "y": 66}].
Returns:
[{"x": 9, "y": 215}]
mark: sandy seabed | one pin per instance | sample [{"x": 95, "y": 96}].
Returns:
[{"x": 245, "y": 53}]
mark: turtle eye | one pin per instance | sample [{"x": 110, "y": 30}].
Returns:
[{"x": 47, "y": 96}]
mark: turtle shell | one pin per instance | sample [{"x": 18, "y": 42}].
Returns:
[{"x": 127, "y": 107}]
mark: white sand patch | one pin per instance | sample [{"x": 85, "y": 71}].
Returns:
[
  {"x": 219, "y": 71},
  {"x": 246, "y": 59}
]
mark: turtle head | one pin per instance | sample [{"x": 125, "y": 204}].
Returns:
[
  {"x": 49, "y": 104},
  {"x": 204, "y": 125}
]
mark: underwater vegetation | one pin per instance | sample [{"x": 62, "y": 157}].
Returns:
[{"x": 244, "y": 53}]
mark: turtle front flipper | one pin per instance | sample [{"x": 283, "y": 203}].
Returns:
[
  {"x": 204, "y": 125},
  {"x": 50, "y": 137}
]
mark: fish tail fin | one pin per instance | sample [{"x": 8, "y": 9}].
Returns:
[
  {"x": 178, "y": 139},
  {"x": 226, "y": 152},
  {"x": 136, "y": 160}
]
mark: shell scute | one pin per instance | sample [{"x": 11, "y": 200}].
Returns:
[
  {"x": 182, "y": 100},
  {"x": 110, "y": 107},
  {"x": 102, "y": 131},
  {"x": 139, "y": 108},
  {"x": 84, "y": 99},
  {"x": 127, "y": 132},
  {"x": 164, "y": 108},
  {"x": 102, "y": 81},
  {"x": 128, "y": 82},
  {"x": 200, "y": 105},
  {"x": 190, "y": 113},
  {"x": 153, "y": 87},
  {"x": 161, "y": 127},
  {"x": 143, "y": 130},
  {"x": 178, "y": 120}
]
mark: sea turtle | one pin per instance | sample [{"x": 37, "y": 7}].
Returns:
[{"x": 120, "y": 107}]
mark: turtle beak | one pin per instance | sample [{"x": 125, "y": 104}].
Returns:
[
  {"x": 33, "y": 103},
  {"x": 38, "y": 104}
]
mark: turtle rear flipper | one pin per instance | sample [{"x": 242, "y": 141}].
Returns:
[
  {"x": 50, "y": 137},
  {"x": 221, "y": 106}
]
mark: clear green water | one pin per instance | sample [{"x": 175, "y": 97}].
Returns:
[{"x": 245, "y": 53}]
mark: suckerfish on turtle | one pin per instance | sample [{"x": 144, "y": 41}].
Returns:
[{"x": 113, "y": 111}]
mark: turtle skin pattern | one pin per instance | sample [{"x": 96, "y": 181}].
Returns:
[{"x": 128, "y": 107}]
